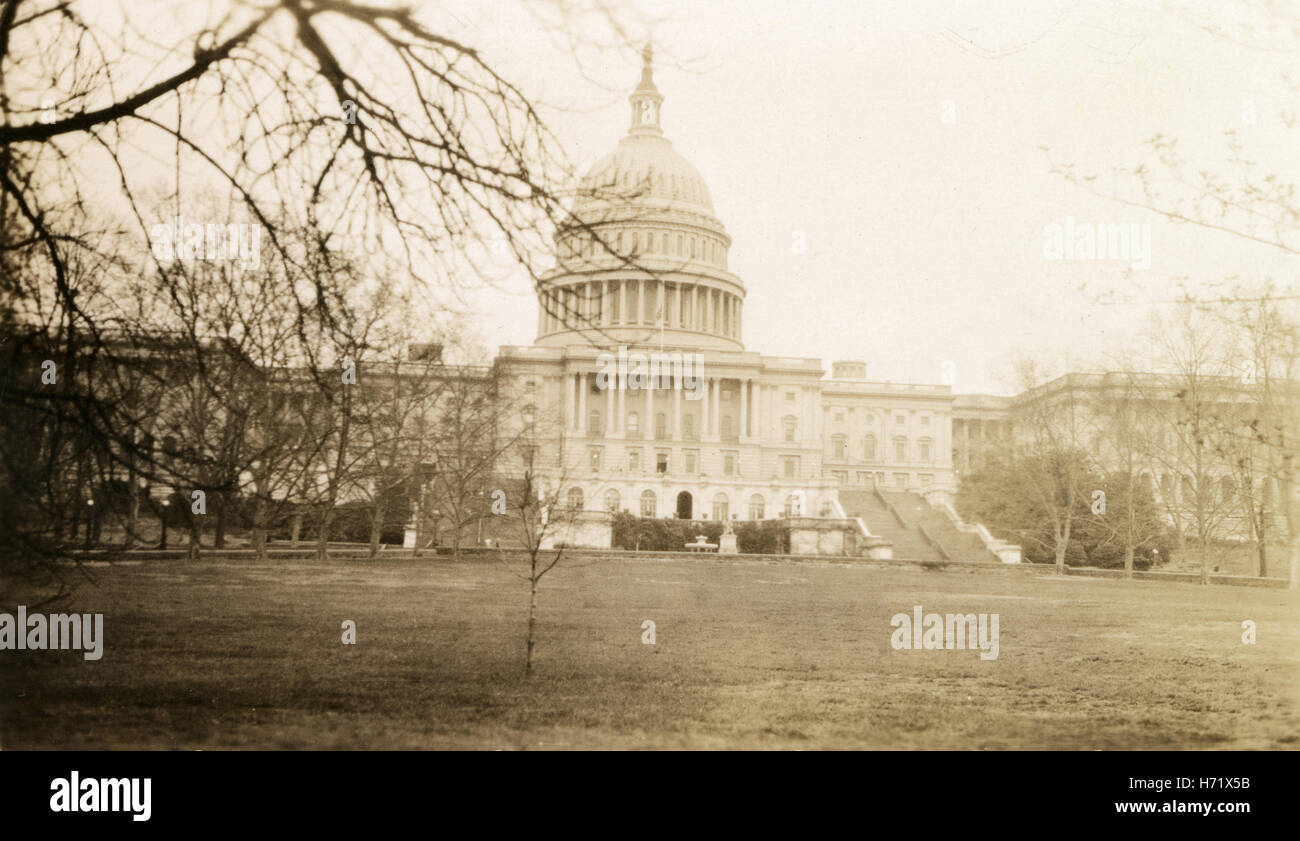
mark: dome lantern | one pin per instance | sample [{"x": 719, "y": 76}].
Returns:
[{"x": 646, "y": 99}]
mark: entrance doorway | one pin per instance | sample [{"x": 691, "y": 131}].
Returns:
[{"x": 684, "y": 505}]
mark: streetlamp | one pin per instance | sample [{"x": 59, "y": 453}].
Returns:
[
  {"x": 163, "y": 543},
  {"x": 435, "y": 531},
  {"x": 90, "y": 520}
]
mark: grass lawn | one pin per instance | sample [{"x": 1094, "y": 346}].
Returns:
[{"x": 235, "y": 653}]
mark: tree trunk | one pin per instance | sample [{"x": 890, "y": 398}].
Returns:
[
  {"x": 376, "y": 528},
  {"x": 1128, "y": 561},
  {"x": 532, "y": 619},
  {"x": 196, "y": 535},
  {"x": 132, "y": 512},
  {"x": 322, "y": 539},
  {"x": 219, "y": 533}
]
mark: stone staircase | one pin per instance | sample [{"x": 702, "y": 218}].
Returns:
[{"x": 918, "y": 531}]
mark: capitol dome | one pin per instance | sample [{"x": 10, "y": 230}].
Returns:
[{"x": 643, "y": 248}]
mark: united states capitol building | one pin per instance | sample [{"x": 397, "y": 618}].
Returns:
[{"x": 643, "y": 271}]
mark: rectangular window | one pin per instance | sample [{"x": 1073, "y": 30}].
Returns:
[
  {"x": 900, "y": 419},
  {"x": 661, "y": 462},
  {"x": 633, "y": 461},
  {"x": 900, "y": 451},
  {"x": 594, "y": 455},
  {"x": 689, "y": 461},
  {"x": 728, "y": 464},
  {"x": 790, "y": 466}
]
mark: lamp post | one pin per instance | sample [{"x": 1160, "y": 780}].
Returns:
[
  {"x": 90, "y": 521},
  {"x": 435, "y": 530},
  {"x": 162, "y": 544}
]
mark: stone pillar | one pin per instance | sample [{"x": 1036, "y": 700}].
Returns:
[
  {"x": 744, "y": 410},
  {"x": 610, "y": 385},
  {"x": 717, "y": 407},
  {"x": 704, "y": 410},
  {"x": 622, "y": 406},
  {"x": 582, "y": 402},
  {"x": 677, "y": 410},
  {"x": 650, "y": 412},
  {"x": 568, "y": 399}
]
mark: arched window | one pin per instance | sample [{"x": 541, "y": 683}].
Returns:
[
  {"x": 721, "y": 507},
  {"x": 839, "y": 448},
  {"x": 790, "y": 423},
  {"x": 593, "y": 423},
  {"x": 756, "y": 507},
  {"x": 661, "y": 425},
  {"x": 692, "y": 248},
  {"x": 679, "y": 245},
  {"x": 647, "y": 503},
  {"x": 869, "y": 448},
  {"x": 612, "y": 501},
  {"x": 633, "y": 423},
  {"x": 575, "y": 499},
  {"x": 793, "y": 506}
]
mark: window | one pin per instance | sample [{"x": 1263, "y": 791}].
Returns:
[
  {"x": 839, "y": 417},
  {"x": 728, "y": 464},
  {"x": 789, "y": 423},
  {"x": 594, "y": 455},
  {"x": 793, "y": 506},
  {"x": 575, "y": 499},
  {"x": 725, "y": 429},
  {"x": 721, "y": 507},
  {"x": 689, "y": 460},
  {"x": 900, "y": 419},
  {"x": 756, "y": 507},
  {"x": 688, "y": 426},
  {"x": 612, "y": 501},
  {"x": 647, "y": 503},
  {"x": 900, "y": 449},
  {"x": 633, "y": 461},
  {"x": 594, "y": 426},
  {"x": 726, "y": 394},
  {"x": 925, "y": 420},
  {"x": 900, "y": 480},
  {"x": 839, "y": 448},
  {"x": 869, "y": 448},
  {"x": 661, "y": 462},
  {"x": 661, "y": 425},
  {"x": 925, "y": 450},
  {"x": 633, "y": 423},
  {"x": 789, "y": 396},
  {"x": 790, "y": 466}
]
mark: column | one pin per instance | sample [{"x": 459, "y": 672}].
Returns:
[
  {"x": 717, "y": 406},
  {"x": 704, "y": 410},
  {"x": 610, "y": 386},
  {"x": 622, "y": 406},
  {"x": 708, "y": 310},
  {"x": 582, "y": 402},
  {"x": 744, "y": 410},
  {"x": 650, "y": 412},
  {"x": 568, "y": 399},
  {"x": 677, "y": 410}
]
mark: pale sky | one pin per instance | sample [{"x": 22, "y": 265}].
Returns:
[{"x": 924, "y": 238}]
